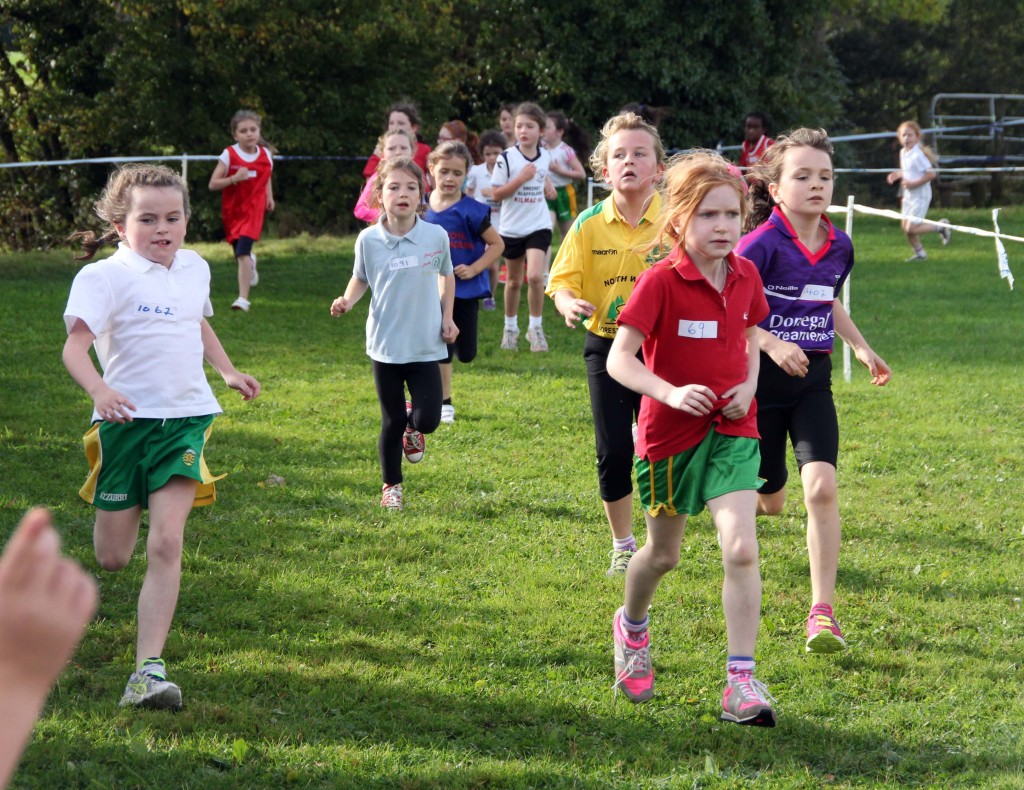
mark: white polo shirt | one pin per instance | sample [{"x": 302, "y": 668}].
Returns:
[{"x": 147, "y": 322}]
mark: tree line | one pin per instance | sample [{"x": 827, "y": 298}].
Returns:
[{"x": 138, "y": 77}]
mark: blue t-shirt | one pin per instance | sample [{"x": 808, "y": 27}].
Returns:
[
  {"x": 404, "y": 324},
  {"x": 466, "y": 222},
  {"x": 801, "y": 286}
]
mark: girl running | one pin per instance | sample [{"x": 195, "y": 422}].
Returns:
[
  {"x": 804, "y": 261},
  {"x": 520, "y": 181},
  {"x": 395, "y": 143},
  {"x": 695, "y": 316},
  {"x": 144, "y": 310},
  {"x": 401, "y": 115},
  {"x": 592, "y": 280},
  {"x": 915, "y": 175},
  {"x": 565, "y": 167},
  {"x": 475, "y": 245},
  {"x": 407, "y": 265},
  {"x": 243, "y": 175}
]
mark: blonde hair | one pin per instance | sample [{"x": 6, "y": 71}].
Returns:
[
  {"x": 688, "y": 180},
  {"x": 926, "y": 150},
  {"x": 768, "y": 170},
  {"x": 389, "y": 166},
  {"x": 623, "y": 122},
  {"x": 383, "y": 140},
  {"x": 114, "y": 203}
]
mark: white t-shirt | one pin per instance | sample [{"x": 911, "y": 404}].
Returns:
[
  {"x": 914, "y": 165},
  {"x": 225, "y": 158},
  {"x": 562, "y": 155},
  {"x": 526, "y": 210},
  {"x": 147, "y": 320},
  {"x": 478, "y": 179},
  {"x": 404, "y": 324}
]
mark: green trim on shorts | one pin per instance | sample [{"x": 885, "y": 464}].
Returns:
[
  {"x": 128, "y": 461},
  {"x": 561, "y": 205},
  {"x": 685, "y": 482}
]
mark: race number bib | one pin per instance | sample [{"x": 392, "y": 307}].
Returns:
[
  {"x": 409, "y": 262},
  {"x": 698, "y": 330}
]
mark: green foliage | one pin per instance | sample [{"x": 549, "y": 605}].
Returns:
[{"x": 465, "y": 642}]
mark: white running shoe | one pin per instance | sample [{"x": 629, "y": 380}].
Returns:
[
  {"x": 510, "y": 340},
  {"x": 537, "y": 340},
  {"x": 241, "y": 304},
  {"x": 447, "y": 413}
]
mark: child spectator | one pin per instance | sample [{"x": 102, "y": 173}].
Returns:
[{"x": 755, "y": 139}]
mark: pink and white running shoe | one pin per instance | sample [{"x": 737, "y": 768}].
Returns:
[{"x": 633, "y": 671}]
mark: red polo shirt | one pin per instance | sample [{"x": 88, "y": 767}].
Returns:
[{"x": 693, "y": 335}]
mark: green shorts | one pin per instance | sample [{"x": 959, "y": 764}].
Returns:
[
  {"x": 564, "y": 204},
  {"x": 683, "y": 483},
  {"x": 127, "y": 461}
]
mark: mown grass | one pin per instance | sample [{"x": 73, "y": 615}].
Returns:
[{"x": 465, "y": 642}]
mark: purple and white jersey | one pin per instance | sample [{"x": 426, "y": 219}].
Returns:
[{"x": 800, "y": 285}]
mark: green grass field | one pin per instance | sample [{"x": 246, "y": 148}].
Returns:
[{"x": 466, "y": 642}]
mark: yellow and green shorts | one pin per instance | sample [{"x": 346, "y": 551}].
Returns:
[
  {"x": 564, "y": 204},
  {"x": 683, "y": 483},
  {"x": 129, "y": 460}
]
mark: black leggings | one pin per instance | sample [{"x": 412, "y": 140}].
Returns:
[
  {"x": 424, "y": 381},
  {"x": 614, "y": 408},
  {"x": 465, "y": 314}
]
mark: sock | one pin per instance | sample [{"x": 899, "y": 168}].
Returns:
[
  {"x": 512, "y": 322},
  {"x": 822, "y": 608},
  {"x": 536, "y": 321},
  {"x": 737, "y": 665},
  {"x": 635, "y": 630},
  {"x": 624, "y": 544},
  {"x": 154, "y": 667},
  {"x": 446, "y": 402}
]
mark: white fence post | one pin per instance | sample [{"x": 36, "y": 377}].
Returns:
[{"x": 846, "y": 290}]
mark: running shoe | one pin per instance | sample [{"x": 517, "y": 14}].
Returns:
[
  {"x": 945, "y": 233},
  {"x": 255, "y": 277},
  {"x": 633, "y": 671},
  {"x": 447, "y": 413},
  {"x": 241, "y": 304},
  {"x": 146, "y": 691},
  {"x": 489, "y": 303},
  {"x": 537, "y": 340},
  {"x": 919, "y": 255},
  {"x": 510, "y": 340},
  {"x": 745, "y": 701},
  {"x": 391, "y": 497},
  {"x": 823, "y": 634},
  {"x": 414, "y": 443},
  {"x": 620, "y": 560}
]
